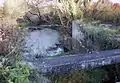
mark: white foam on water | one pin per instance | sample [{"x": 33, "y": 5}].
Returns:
[{"x": 40, "y": 40}]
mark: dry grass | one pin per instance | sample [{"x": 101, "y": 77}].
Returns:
[
  {"x": 65, "y": 10},
  {"x": 10, "y": 34},
  {"x": 105, "y": 12},
  {"x": 11, "y": 40}
]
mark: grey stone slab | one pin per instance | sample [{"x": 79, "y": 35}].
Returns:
[{"x": 68, "y": 63}]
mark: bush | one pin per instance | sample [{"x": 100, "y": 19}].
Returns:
[
  {"x": 105, "y": 11},
  {"x": 83, "y": 76},
  {"x": 16, "y": 74},
  {"x": 102, "y": 37},
  {"x": 11, "y": 43}
]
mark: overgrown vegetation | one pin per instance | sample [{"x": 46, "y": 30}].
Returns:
[
  {"x": 105, "y": 74},
  {"x": 83, "y": 76},
  {"x": 11, "y": 41},
  {"x": 105, "y": 11},
  {"x": 17, "y": 74},
  {"x": 61, "y": 13},
  {"x": 101, "y": 37}
]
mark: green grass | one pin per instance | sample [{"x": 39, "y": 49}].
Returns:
[
  {"x": 83, "y": 76},
  {"x": 105, "y": 37}
]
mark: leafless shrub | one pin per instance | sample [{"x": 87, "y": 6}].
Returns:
[
  {"x": 61, "y": 12},
  {"x": 105, "y": 11},
  {"x": 11, "y": 41},
  {"x": 58, "y": 12}
]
